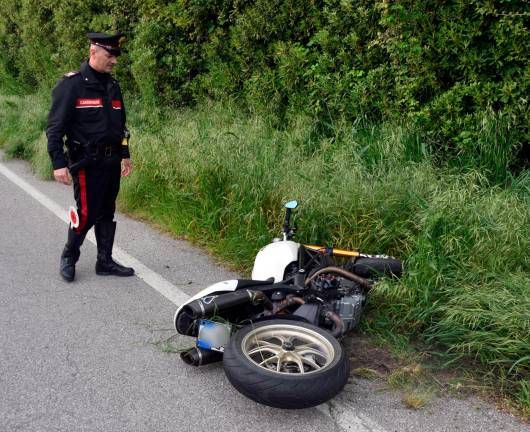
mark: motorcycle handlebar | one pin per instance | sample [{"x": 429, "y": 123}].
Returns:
[{"x": 287, "y": 222}]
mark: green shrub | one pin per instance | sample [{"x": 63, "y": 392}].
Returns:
[{"x": 441, "y": 64}]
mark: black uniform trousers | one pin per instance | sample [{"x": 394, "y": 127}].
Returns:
[{"x": 96, "y": 187}]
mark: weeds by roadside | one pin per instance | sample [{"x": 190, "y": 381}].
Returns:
[{"x": 419, "y": 375}]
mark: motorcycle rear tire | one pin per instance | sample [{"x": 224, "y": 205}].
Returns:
[
  {"x": 368, "y": 267},
  {"x": 282, "y": 389}
]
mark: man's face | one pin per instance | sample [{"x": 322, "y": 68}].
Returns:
[{"x": 101, "y": 60}]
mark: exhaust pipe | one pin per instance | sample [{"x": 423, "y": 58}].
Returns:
[
  {"x": 200, "y": 357},
  {"x": 216, "y": 305},
  {"x": 208, "y": 306},
  {"x": 187, "y": 325},
  {"x": 338, "y": 326},
  {"x": 344, "y": 273}
]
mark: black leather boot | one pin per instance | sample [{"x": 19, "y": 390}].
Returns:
[
  {"x": 70, "y": 255},
  {"x": 105, "y": 265}
]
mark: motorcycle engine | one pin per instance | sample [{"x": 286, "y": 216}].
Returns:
[{"x": 345, "y": 297}]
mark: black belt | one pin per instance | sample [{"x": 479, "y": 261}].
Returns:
[
  {"x": 109, "y": 150},
  {"x": 98, "y": 153},
  {"x": 105, "y": 151}
]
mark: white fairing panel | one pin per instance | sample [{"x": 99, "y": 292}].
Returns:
[
  {"x": 219, "y": 287},
  {"x": 273, "y": 258}
]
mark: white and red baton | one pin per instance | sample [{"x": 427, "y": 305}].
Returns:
[{"x": 73, "y": 217}]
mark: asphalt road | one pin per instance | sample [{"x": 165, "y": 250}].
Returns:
[{"x": 92, "y": 355}]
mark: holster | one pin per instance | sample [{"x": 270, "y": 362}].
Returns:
[{"x": 80, "y": 155}]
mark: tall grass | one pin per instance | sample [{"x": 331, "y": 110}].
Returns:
[
  {"x": 219, "y": 177},
  {"x": 223, "y": 176},
  {"x": 22, "y": 123}
]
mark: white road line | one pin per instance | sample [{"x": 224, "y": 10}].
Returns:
[
  {"x": 151, "y": 278},
  {"x": 39, "y": 196}
]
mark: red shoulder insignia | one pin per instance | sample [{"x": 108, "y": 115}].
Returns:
[{"x": 71, "y": 74}]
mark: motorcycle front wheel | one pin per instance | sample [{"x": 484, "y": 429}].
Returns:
[{"x": 286, "y": 364}]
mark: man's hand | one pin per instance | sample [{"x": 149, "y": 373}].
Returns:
[
  {"x": 126, "y": 167},
  {"x": 62, "y": 175}
]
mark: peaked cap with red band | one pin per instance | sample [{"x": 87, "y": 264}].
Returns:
[{"x": 112, "y": 43}]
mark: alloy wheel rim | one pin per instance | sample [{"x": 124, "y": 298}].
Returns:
[{"x": 288, "y": 349}]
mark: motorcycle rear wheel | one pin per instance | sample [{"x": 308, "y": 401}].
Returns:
[
  {"x": 370, "y": 267},
  {"x": 286, "y": 364}
]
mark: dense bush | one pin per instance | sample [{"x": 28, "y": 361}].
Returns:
[{"x": 440, "y": 64}]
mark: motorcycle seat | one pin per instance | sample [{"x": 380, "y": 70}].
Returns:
[{"x": 250, "y": 283}]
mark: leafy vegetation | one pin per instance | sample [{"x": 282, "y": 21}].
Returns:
[{"x": 439, "y": 65}]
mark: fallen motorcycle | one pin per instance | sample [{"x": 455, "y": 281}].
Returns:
[{"x": 278, "y": 333}]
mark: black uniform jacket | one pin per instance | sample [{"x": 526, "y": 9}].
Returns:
[{"x": 90, "y": 115}]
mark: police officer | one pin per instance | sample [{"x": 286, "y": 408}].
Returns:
[{"x": 87, "y": 117}]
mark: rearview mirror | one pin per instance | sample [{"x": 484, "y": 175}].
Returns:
[{"x": 291, "y": 204}]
